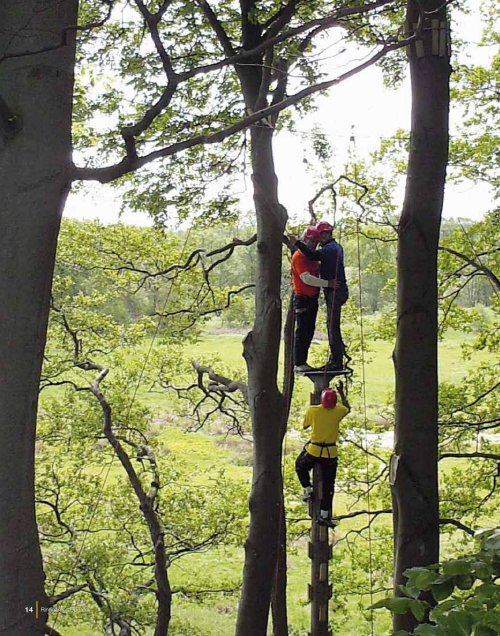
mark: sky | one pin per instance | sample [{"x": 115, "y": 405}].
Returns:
[{"x": 361, "y": 105}]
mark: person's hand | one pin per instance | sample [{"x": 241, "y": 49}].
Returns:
[
  {"x": 333, "y": 283},
  {"x": 292, "y": 240}
]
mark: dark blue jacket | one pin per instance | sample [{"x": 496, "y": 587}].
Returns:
[{"x": 331, "y": 256}]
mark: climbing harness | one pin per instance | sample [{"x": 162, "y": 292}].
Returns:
[{"x": 321, "y": 445}]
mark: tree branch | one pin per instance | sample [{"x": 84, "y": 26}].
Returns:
[
  {"x": 477, "y": 454},
  {"x": 53, "y": 600},
  {"x": 152, "y": 23},
  {"x": 127, "y": 165},
  {"x": 220, "y": 382},
  {"x": 477, "y": 266},
  {"x": 146, "y": 500},
  {"x": 217, "y": 27},
  {"x": 280, "y": 19},
  {"x": 457, "y": 524}
]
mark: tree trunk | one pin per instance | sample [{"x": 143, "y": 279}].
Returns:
[
  {"x": 35, "y": 161},
  {"x": 414, "y": 474},
  {"x": 261, "y": 349}
]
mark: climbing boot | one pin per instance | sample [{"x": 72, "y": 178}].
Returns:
[
  {"x": 333, "y": 367},
  {"x": 308, "y": 493},
  {"x": 302, "y": 368},
  {"x": 326, "y": 521}
]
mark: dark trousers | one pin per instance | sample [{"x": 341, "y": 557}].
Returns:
[
  {"x": 334, "y": 304},
  {"x": 306, "y": 310},
  {"x": 303, "y": 466}
]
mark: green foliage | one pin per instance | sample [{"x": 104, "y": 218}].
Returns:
[{"x": 465, "y": 593}]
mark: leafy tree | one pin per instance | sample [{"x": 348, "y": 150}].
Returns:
[{"x": 90, "y": 523}]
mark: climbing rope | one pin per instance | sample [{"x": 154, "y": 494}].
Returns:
[
  {"x": 363, "y": 377},
  {"x": 365, "y": 420}
]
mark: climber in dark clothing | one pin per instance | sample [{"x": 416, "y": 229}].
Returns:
[{"x": 331, "y": 257}]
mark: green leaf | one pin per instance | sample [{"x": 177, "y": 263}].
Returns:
[
  {"x": 408, "y": 590},
  {"x": 420, "y": 578},
  {"x": 446, "y": 606},
  {"x": 428, "y": 630},
  {"x": 483, "y": 630},
  {"x": 482, "y": 570},
  {"x": 457, "y": 566},
  {"x": 418, "y": 609},
  {"x": 460, "y": 623},
  {"x": 493, "y": 541},
  {"x": 491, "y": 619},
  {"x": 487, "y": 592},
  {"x": 464, "y": 582},
  {"x": 440, "y": 591},
  {"x": 395, "y": 604}
]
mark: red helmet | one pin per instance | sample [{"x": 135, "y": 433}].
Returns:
[
  {"x": 311, "y": 234},
  {"x": 328, "y": 398},
  {"x": 324, "y": 226}
]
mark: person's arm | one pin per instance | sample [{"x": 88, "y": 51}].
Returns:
[
  {"x": 312, "y": 255},
  {"x": 307, "y": 419},
  {"x": 341, "y": 269},
  {"x": 343, "y": 397},
  {"x": 314, "y": 281}
]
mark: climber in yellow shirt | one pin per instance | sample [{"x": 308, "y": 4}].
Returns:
[{"x": 323, "y": 419}]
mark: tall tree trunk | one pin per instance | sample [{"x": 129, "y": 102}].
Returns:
[
  {"x": 414, "y": 474},
  {"x": 35, "y": 109},
  {"x": 261, "y": 350}
]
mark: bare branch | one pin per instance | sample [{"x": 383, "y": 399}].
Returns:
[
  {"x": 152, "y": 22},
  {"x": 457, "y": 524},
  {"x": 477, "y": 399},
  {"x": 220, "y": 382},
  {"x": 478, "y": 454},
  {"x": 53, "y": 600},
  {"x": 146, "y": 500},
  {"x": 217, "y": 27},
  {"x": 277, "y": 22},
  {"x": 475, "y": 264}
]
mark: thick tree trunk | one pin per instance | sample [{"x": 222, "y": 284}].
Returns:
[
  {"x": 414, "y": 475},
  {"x": 261, "y": 349},
  {"x": 35, "y": 160}
]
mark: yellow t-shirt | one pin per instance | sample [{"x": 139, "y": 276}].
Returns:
[{"x": 324, "y": 425}]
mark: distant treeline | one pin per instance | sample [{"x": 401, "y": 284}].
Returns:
[{"x": 371, "y": 257}]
